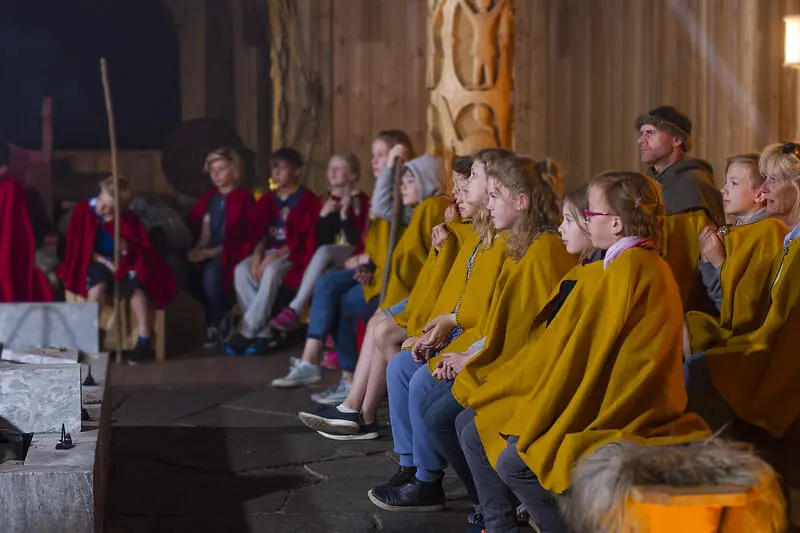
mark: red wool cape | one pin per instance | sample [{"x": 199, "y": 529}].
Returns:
[{"x": 151, "y": 269}]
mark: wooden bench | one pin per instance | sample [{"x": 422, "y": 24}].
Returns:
[{"x": 130, "y": 331}]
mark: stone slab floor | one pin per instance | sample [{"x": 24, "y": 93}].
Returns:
[{"x": 202, "y": 443}]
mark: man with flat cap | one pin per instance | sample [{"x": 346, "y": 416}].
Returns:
[{"x": 665, "y": 135}]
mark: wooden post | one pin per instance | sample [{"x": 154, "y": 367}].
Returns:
[
  {"x": 112, "y": 132},
  {"x": 469, "y": 75},
  {"x": 397, "y": 217}
]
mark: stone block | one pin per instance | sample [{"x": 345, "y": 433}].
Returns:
[
  {"x": 53, "y": 490},
  {"x": 41, "y": 325},
  {"x": 39, "y": 398},
  {"x": 41, "y": 356}
]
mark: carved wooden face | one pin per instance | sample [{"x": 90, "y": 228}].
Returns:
[{"x": 483, "y": 5}]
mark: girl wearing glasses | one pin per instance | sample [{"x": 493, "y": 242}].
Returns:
[{"x": 606, "y": 368}]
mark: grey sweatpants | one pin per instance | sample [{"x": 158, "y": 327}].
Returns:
[
  {"x": 256, "y": 297},
  {"x": 330, "y": 256}
]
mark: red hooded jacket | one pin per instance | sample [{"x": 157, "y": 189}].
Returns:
[
  {"x": 238, "y": 208},
  {"x": 20, "y": 278},
  {"x": 301, "y": 226},
  {"x": 151, "y": 269}
]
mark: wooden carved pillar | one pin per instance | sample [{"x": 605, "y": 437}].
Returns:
[{"x": 469, "y": 75}]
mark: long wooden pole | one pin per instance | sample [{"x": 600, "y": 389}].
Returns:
[
  {"x": 112, "y": 133},
  {"x": 397, "y": 217}
]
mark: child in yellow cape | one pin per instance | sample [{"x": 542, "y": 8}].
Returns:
[
  {"x": 608, "y": 367},
  {"x": 526, "y": 208},
  {"x": 354, "y": 418},
  {"x": 755, "y": 375},
  {"x": 339, "y": 301},
  {"x": 736, "y": 261}
]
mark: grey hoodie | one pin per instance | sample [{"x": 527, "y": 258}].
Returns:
[
  {"x": 688, "y": 185},
  {"x": 429, "y": 172}
]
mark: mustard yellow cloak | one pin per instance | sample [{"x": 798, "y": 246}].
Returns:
[
  {"x": 678, "y": 244},
  {"x": 471, "y": 294},
  {"x": 522, "y": 290},
  {"x": 410, "y": 253},
  {"x": 608, "y": 367},
  {"x": 745, "y": 276},
  {"x": 758, "y": 373},
  {"x": 433, "y": 275}
]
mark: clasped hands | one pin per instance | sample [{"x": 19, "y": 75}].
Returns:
[{"x": 434, "y": 337}]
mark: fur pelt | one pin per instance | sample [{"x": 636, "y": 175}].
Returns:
[{"x": 597, "y": 501}]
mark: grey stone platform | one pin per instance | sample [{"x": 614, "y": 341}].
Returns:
[
  {"x": 57, "y": 490},
  {"x": 38, "y": 398}
]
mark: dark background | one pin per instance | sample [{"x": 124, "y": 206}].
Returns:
[{"x": 53, "y": 47}]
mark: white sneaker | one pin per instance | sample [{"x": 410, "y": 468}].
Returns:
[
  {"x": 300, "y": 373},
  {"x": 333, "y": 396}
]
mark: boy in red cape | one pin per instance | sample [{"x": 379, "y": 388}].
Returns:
[
  {"x": 88, "y": 268},
  {"x": 220, "y": 223},
  {"x": 284, "y": 236},
  {"x": 20, "y": 278}
]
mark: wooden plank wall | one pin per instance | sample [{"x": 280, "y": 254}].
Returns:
[
  {"x": 378, "y": 74},
  {"x": 586, "y": 69}
]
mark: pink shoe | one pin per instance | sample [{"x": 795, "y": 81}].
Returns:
[
  {"x": 287, "y": 320},
  {"x": 330, "y": 360}
]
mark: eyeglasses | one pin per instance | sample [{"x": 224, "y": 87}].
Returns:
[
  {"x": 791, "y": 148},
  {"x": 589, "y": 214}
]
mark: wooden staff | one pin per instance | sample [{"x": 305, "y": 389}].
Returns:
[
  {"x": 112, "y": 133},
  {"x": 397, "y": 217}
]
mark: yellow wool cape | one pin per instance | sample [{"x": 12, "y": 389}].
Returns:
[
  {"x": 471, "y": 294},
  {"x": 376, "y": 246},
  {"x": 758, "y": 373},
  {"x": 410, "y": 254},
  {"x": 521, "y": 292},
  {"x": 609, "y": 367},
  {"x": 745, "y": 276},
  {"x": 678, "y": 244},
  {"x": 433, "y": 275}
]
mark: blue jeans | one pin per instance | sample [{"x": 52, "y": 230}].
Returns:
[
  {"x": 337, "y": 302},
  {"x": 416, "y": 401},
  {"x": 204, "y": 284},
  {"x": 496, "y": 489},
  {"x": 440, "y": 420}
]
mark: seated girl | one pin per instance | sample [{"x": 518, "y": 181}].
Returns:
[
  {"x": 88, "y": 268},
  {"x": 355, "y": 417},
  {"x": 736, "y": 260},
  {"x": 754, "y": 375},
  {"x": 340, "y": 301},
  {"x": 219, "y": 223},
  {"x": 341, "y": 227},
  {"x": 606, "y": 368},
  {"x": 521, "y": 202}
]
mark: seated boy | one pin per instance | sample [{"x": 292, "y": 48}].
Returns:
[
  {"x": 20, "y": 279},
  {"x": 88, "y": 268},
  {"x": 283, "y": 228}
]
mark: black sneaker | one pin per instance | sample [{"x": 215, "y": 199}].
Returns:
[
  {"x": 414, "y": 496},
  {"x": 142, "y": 353},
  {"x": 404, "y": 475},
  {"x": 329, "y": 419},
  {"x": 365, "y": 432},
  {"x": 212, "y": 338},
  {"x": 238, "y": 345}
]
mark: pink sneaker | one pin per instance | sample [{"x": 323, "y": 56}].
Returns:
[
  {"x": 287, "y": 320},
  {"x": 330, "y": 360}
]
